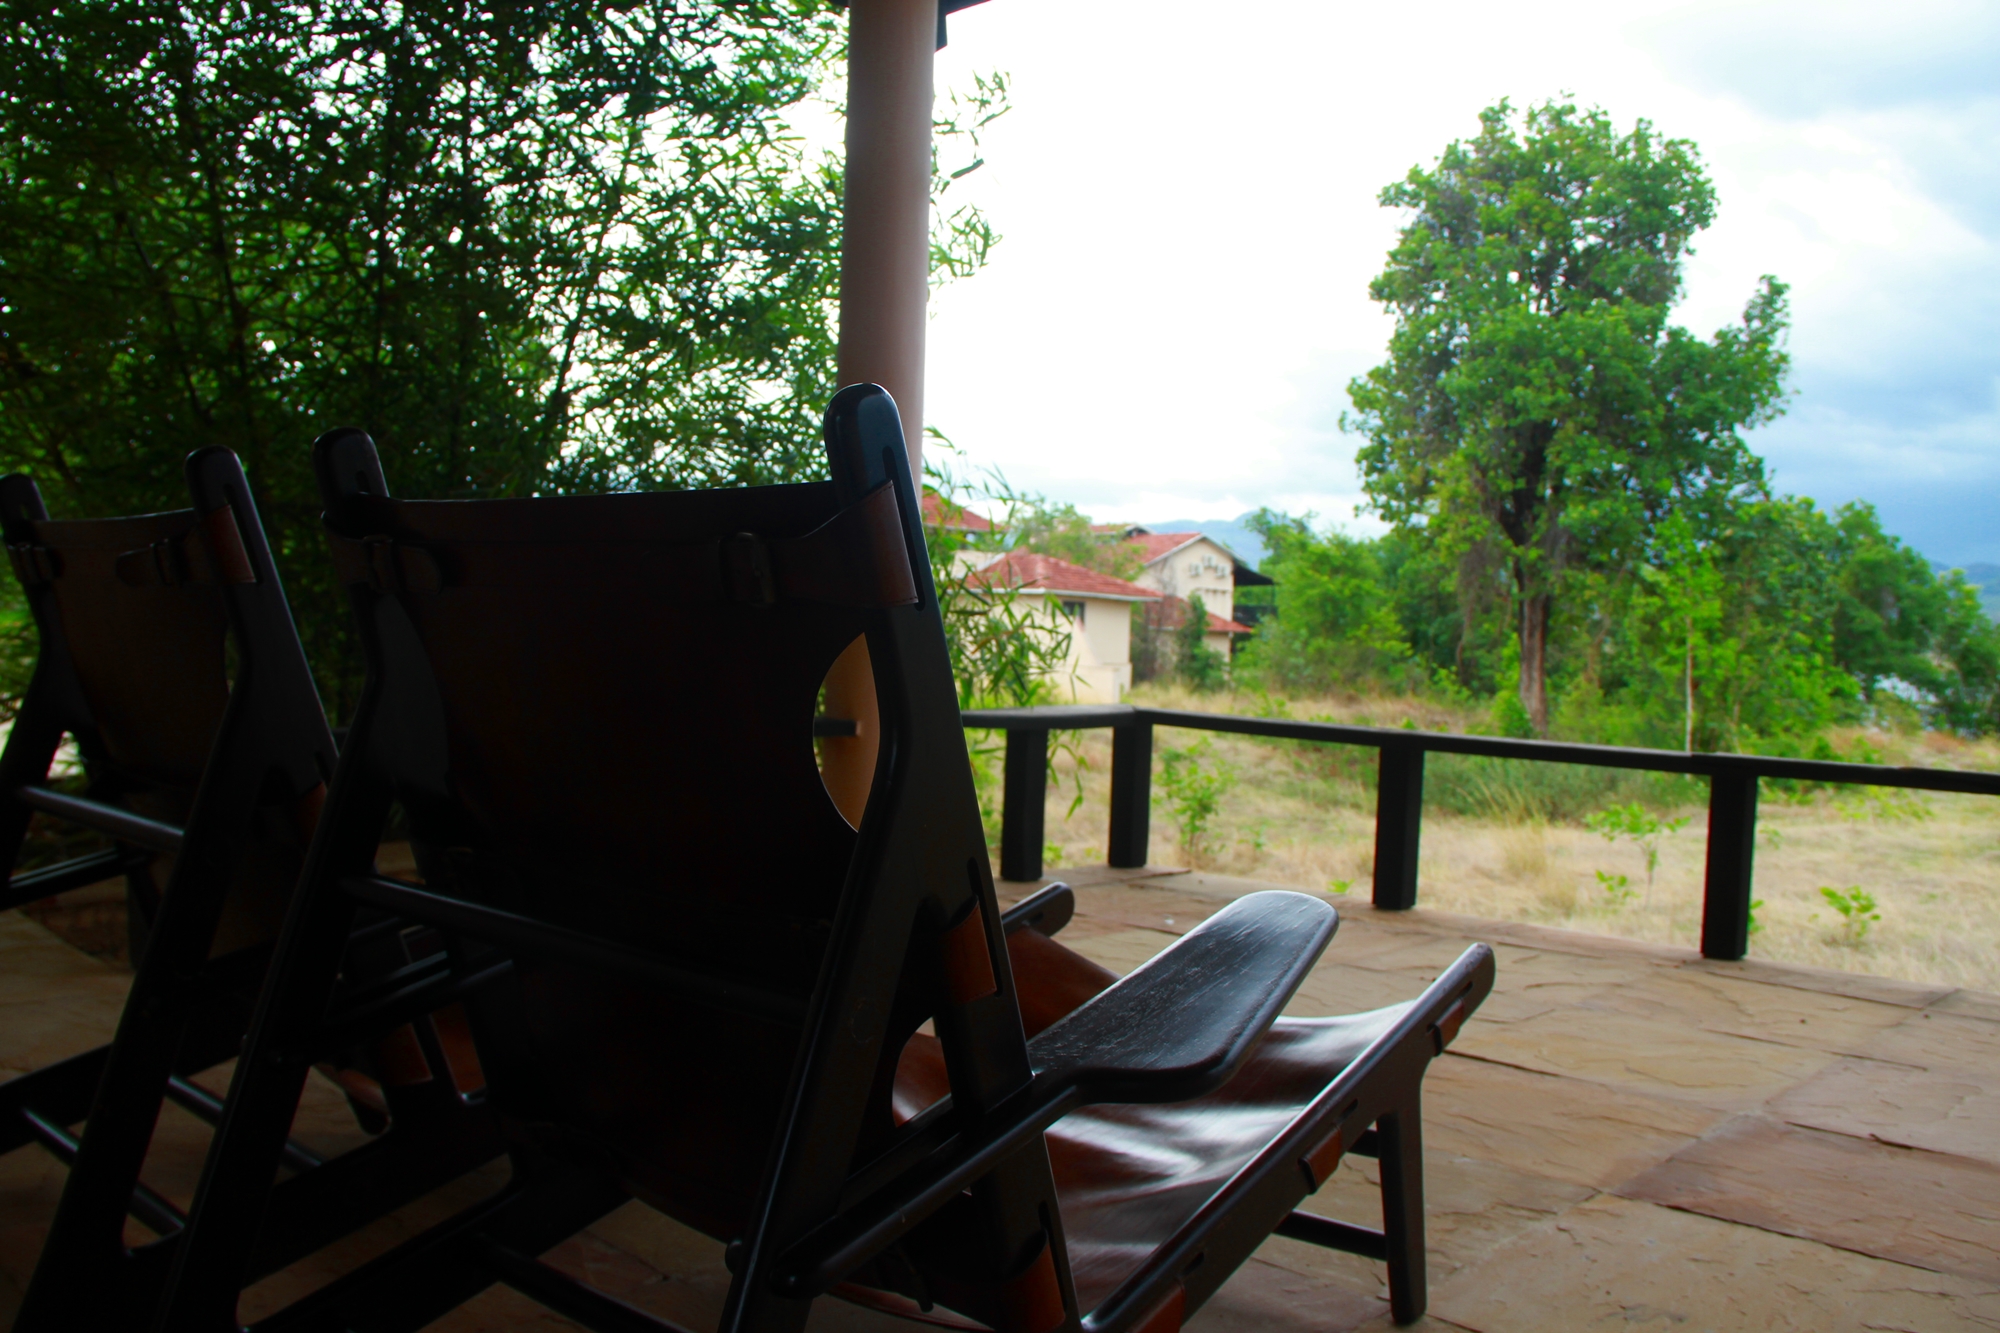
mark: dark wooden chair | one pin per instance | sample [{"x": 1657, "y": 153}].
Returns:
[
  {"x": 208, "y": 792},
  {"x": 693, "y": 983}
]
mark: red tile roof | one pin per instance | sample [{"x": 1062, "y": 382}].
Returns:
[
  {"x": 961, "y": 520},
  {"x": 1172, "y": 613},
  {"x": 1045, "y": 573},
  {"x": 1153, "y": 545}
]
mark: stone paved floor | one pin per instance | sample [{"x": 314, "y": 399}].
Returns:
[{"x": 1625, "y": 1136}]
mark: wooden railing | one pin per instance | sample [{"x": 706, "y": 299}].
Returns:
[{"x": 1399, "y": 810}]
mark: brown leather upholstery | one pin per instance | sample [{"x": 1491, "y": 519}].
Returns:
[
  {"x": 156, "y": 710},
  {"x": 576, "y": 819},
  {"x": 151, "y": 660},
  {"x": 1129, "y": 1176}
]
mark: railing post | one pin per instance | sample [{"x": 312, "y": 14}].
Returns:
[
  {"x": 1131, "y": 794},
  {"x": 1025, "y": 793},
  {"x": 1732, "y": 842},
  {"x": 1399, "y": 817}
]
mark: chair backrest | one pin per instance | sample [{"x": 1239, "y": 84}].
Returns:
[
  {"x": 592, "y": 730},
  {"x": 598, "y": 713},
  {"x": 146, "y": 624},
  {"x": 132, "y": 620}
]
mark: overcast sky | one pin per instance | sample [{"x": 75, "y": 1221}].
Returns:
[{"x": 1187, "y": 195}]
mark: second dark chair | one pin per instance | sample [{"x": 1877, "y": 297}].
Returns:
[{"x": 208, "y": 776}]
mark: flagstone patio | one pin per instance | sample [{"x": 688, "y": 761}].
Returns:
[{"x": 1626, "y": 1136}]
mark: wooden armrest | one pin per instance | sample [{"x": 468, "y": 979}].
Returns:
[
  {"x": 1180, "y": 1024},
  {"x": 1047, "y": 910},
  {"x": 1173, "y": 1029}
]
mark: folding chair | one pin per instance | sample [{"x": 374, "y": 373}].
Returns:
[
  {"x": 212, "y": 789},
  {"x": 597, "y": 715}
]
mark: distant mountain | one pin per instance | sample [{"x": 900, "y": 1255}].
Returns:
[
  {"x": 1247, "y": 545},
  {"x": 1986, "y": 578}
]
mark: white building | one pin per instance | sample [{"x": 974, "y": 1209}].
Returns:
[
  {"x": 1097, "y": 610},
  {"x": 1186, "y": 564}
]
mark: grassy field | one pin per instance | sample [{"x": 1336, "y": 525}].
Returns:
[{"x": 1508, "y": 840}]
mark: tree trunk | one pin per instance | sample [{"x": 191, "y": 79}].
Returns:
[{"x": 1534, "y": 661}]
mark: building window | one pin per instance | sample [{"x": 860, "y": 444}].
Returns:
[{"x": 1075, "y": 612}]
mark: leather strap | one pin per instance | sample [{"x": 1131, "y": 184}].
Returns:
[
  {"x": 1167, "y": 1316},
  {"x": 854, "y": 559},
  {"x": 1318, "y": 1165},
  {"x": 1448, "y": 1025},
  {"x": 1031, "y": 1301},
  {"x": 210, "y": 553},
  {"x": 34, "y": 564},
  {"x": 168, "y": 563},
  {"x": 226, "y": 553},
  {"x": 968, "y": 962}
]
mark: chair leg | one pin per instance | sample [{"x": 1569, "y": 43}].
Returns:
[
  {"x": 84, "y": 1273},
  {"x": 1400, "y": 1137},
  {"x": 215, "y": 1251}
]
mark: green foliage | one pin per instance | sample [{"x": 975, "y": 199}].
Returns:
[
  {"x": 1514, "y": 791},
  {"x": 537, "y": 248},
  {"x": 1199, "y": 665},
  {"x": 1636, "y": 824},
  {"x": 1193, "y": 782},
  {"x": 1339, "y": 885},
  {"x": 1752, "y": 629},
  {"x": 1756, "y": 926},
  {"x": 17, "y": 647},
  {"x": 962, "y": 237},
  {"x": 1877, "y": 805},
  {"x": 1152, "y": 650},
  {"x": 1736, "y": 624},
  {"x": 1901, "y": 630},
  {"x": 1618, "y": 888},
  {"x": 1857, "y": 912},
  {"x": 1334, "y": 620},
  {"x": 1510, "y": 716},
  {"x": 1007, "y": 651},
  {"x": 1537, "y": 415},
  {"x": 1034, "y": 523}
]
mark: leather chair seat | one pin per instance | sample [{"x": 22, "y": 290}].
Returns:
[{"x": 1128, "y": 1177}]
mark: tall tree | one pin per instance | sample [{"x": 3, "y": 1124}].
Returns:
[
  {"x": 532, "y": 246},
  {"x": 1536, "y": 405}
]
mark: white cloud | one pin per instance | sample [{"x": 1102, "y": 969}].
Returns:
[{"x": 1190, "y": 222}]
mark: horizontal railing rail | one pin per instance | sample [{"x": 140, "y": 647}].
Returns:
[{"x": 1732, "y": 798}]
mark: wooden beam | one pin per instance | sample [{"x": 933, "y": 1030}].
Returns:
[
  {"x": 885, "y": 230},
  {"x": 885, "y": 251}
]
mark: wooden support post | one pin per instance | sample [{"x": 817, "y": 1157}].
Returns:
[
  {"x": 885, "y": 256},
  {"x": 885, "y": 238},
  {"x": 1131, "y": 795},
  {"x": 1732, "y": 843},
  {"x": 1399, "y": 818},
  {"x": 1025, "y": 793}
]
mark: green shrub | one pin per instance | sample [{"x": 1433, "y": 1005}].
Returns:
[
  {"x": 1857, "y": 912},
  {"x": 1517, "y": 790},
  {"x": 1193, "y": 782},
  {"x": 1637, "y": 824}
]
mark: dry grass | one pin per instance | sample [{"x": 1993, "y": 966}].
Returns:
[{"x": 1302, "y": 817}]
